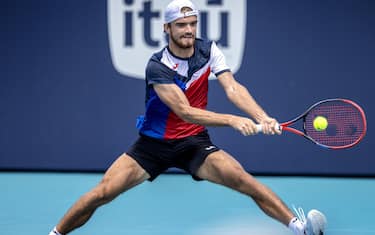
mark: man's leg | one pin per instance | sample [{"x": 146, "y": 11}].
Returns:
[
  {"x": 123, "y": 174},
  {"x": 221, "y": 168}
]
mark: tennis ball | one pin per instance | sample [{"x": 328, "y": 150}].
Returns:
[{"x": 320, "y": 123}]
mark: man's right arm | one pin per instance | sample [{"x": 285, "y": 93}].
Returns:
[{"x": 176, "y": 100}]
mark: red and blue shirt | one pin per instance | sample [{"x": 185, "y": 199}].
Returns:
[{"x": 191, "y": 75}]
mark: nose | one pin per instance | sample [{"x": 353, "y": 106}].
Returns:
[{"x": 189, "y": 28}]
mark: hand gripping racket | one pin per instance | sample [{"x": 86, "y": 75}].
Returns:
[{"x": 345, "y": 124}]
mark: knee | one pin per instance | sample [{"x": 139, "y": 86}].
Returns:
[
  {"x": 100, "y": 194},
  {"x": 246, "y": 184},
  {"x": 239, "y": 181}
]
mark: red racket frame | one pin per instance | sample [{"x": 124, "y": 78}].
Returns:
[{"x": 286, "y": 125}]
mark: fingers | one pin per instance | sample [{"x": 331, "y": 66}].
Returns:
[
  {"x": 245, "y": 126},
  {"x": 248, "y": 129},
  {"x": 278, "y": 129},
  {"x": 270, "y": 127}
]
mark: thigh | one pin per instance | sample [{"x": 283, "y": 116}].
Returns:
[
  {"x": 153, "y": 155},
  {"x": 192, "y": 153},
  {"x": 122, "y": 175},
  {"x": 221, "y": 168}
]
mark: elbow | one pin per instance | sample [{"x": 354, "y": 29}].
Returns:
[
  {"x": 235, "y": 92},
  {"x": 232, "y": 93},
  {"x": 185, "y": 113}
]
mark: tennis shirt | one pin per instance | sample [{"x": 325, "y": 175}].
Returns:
[{"x": 191, "y": 75}]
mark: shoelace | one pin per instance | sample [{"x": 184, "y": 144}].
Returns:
[{"x": 300, "y": 214}]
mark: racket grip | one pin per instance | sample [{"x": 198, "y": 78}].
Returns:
[{"x": 260, "y": 127}]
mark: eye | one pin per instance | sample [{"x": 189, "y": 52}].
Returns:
[
  {"x": 193, "y": 24},
  {"x": 181, "y": 25}
]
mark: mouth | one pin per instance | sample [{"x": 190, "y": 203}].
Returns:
[{"x": 188, "y": 36}]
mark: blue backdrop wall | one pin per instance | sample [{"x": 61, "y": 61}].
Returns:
[{"x": 65, "y": 105}]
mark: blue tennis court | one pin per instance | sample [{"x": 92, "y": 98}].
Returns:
[{"x": 32, "y": 203}]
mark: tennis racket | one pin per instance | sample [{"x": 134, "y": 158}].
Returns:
[{"x": 346, "y": 124}]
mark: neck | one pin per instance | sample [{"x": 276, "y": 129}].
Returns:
[{"x": 181, "y": 52}]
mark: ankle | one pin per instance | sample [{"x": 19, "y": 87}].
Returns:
[
  {"x": 55, "y": 232},
  {"x": 296, "y": 226}
]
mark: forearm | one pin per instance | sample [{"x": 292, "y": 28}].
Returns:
[
  {"x": 203, "y": 117},
  {"x": 240, "y": 96}
]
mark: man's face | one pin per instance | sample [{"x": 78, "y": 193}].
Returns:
[{"x": 183, "y": 31}]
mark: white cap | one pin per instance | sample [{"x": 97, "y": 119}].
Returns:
[{"x": 173, "y": 10}]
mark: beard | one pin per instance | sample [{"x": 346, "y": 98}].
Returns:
[{"x": 184, "y": 42}]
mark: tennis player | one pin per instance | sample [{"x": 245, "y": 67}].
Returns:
[{"x": 172, "y": 132}]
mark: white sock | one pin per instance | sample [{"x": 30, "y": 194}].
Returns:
[
  {"x": 54, "y": 232},
  {"x": 296, "y": 226}
]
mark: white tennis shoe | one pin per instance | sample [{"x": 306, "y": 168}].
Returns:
[{"x": 315, "y": 222}]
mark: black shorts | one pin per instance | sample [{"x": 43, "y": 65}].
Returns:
[{"x": 157, "y": 155}]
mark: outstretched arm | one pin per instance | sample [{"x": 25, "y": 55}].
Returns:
[
  {"x": 176, "y": 100},
  {"x": 240, "y": 96}
]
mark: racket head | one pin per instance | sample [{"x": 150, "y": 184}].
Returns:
[{"x": 346, "y": 124}]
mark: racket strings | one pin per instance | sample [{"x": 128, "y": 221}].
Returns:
[{"x": 346, "y": 124}]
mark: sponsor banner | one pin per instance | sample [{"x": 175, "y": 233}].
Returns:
[{"x": 135, "y": 31}]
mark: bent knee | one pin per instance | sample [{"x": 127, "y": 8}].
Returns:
[
  {"x": 245, "y": 183},
  {"x": 238, "y": 180},
  {"x": 101, "y": 194}
]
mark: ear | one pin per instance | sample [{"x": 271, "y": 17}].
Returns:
[{"x": 166, "y": 28}]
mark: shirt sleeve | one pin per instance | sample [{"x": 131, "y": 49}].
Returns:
[
  {"x": 156, "y": 72},
  {"x": 218, "y": 63}
]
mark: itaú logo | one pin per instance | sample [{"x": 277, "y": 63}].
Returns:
[{"x": 135, "y": 29}]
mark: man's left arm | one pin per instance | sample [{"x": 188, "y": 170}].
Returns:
[{"x": 241, "y": 97}]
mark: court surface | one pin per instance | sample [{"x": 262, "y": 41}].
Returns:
[{"x": 32, "y": 203}]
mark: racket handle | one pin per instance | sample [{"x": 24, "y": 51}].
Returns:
[{"x": 260, "y": 127}]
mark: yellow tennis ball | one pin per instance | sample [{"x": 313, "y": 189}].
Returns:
[{"x": 320, "y": 123}]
